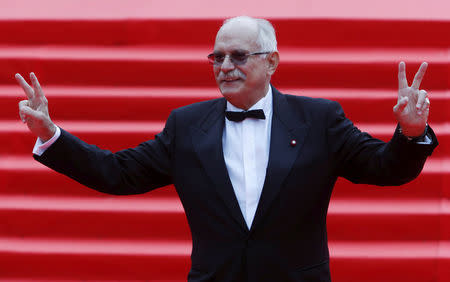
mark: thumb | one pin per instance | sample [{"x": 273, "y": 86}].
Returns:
[{"x": 401, "y": 104}]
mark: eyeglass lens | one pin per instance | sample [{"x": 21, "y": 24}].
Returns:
[{"x": 237, "y": 58}]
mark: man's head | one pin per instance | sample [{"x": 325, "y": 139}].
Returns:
[{"x": 244, "y": 79}]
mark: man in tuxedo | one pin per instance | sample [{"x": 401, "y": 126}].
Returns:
[{"x": 254, "y": 170}]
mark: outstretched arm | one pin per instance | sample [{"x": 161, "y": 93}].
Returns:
[
  {"x": 363, "y": 159},
  {"x": 131, "y": 171}
]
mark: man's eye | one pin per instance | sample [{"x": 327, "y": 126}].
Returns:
[
  {"x": 239, "y": 56},
  {"x": 219, "y": 57}
]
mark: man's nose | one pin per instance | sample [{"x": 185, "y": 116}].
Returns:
[{"x": 227, "y": 64}]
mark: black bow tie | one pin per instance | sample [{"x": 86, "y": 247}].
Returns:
[{"x": 240, "y": 116}]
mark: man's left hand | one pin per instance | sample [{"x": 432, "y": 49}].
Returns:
[{"x": 413, "y": 105}]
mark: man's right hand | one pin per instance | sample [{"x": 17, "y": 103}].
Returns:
[{"x": 34, "y": 111}]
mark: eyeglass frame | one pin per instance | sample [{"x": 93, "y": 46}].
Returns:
[{"x": 233, "y": 61}]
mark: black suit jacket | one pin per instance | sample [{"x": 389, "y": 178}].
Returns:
[{"x": 288, "y": 239}]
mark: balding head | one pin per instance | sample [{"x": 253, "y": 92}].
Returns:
[{"x": 263, "y": 29}]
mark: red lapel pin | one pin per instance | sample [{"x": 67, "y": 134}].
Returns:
[{"x": 293, "y": 142}]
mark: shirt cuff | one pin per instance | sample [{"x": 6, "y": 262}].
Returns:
[
  {"x": 40, "y": 147},
  {"x": 426, "y": 140}
]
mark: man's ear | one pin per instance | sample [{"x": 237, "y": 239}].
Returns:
[{"x": 273, "y": 59}]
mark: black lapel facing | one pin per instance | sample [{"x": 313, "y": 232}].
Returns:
[
  {"x": 207, "y": 141},
  {"x": 287, "y": 137}
]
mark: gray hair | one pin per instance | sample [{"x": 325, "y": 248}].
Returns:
[{"x": 267, "y": 39}]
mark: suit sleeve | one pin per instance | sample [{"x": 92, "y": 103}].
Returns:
[
  {"x": 363, "y": 159},
  {"x": 131, "y": 171}
]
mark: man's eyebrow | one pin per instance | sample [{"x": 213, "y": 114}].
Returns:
[
  {"x": 232, "y": 51},
  {"x": 240, "y": 51}
]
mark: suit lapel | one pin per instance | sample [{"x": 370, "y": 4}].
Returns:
[
  {"x": 286, "y": 127},
  {"x": 207, "y": 141}
]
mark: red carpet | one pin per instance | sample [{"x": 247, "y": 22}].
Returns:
[{"x": 112, "y": 76}]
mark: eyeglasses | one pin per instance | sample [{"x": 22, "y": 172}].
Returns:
[{"x": 236, "y": 57}]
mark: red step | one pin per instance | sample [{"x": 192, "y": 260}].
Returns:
[
  {"x": 118, "y": 135},
  {"x": 309, "y": 31},
  {"x": 20, "y": 175},
  {"x": 156, "y": 103},
  {"x": 172, "y": 53},
  {"x": 362, "y": 261},
  {"x": 388, "y": 261},
  {"x": 115, "y": 135},
  {"x": 392, "y": 219},
  {"x": 93, "y": 259},
  {"x": 430, "y": 184},
  {"x": 163, "y": 218},
  {"x": 163, "y": 66},
  {"x": 127, "y": 218}
]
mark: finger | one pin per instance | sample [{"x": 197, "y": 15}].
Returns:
[
  {"x": 421, "y": 100},
  {"x": 37, "y": 87},
  {"x": 22, "y": 104},
  {"x": 401, "y": 104},
  {"x": 426, "y": 105},
  {"x": 27, "y": 112},
  {"x": 419, "y": 75},
  {"x": 25, "y": 86},
  {"x": 402, "y": 82}
]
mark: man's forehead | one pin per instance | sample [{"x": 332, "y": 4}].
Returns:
[
  {"x": 239, "y": 24},
  {"x": 237, "y": 35}
]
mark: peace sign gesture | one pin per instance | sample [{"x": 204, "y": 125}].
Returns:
[
  {"x": 34, "y": 111},
  {"x": 413, "y": 106}
]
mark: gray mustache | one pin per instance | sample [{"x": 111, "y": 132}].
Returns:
[{"x": 232, "y": 75}]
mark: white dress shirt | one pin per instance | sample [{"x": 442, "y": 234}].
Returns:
[{"x": 246, "y": 147}]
